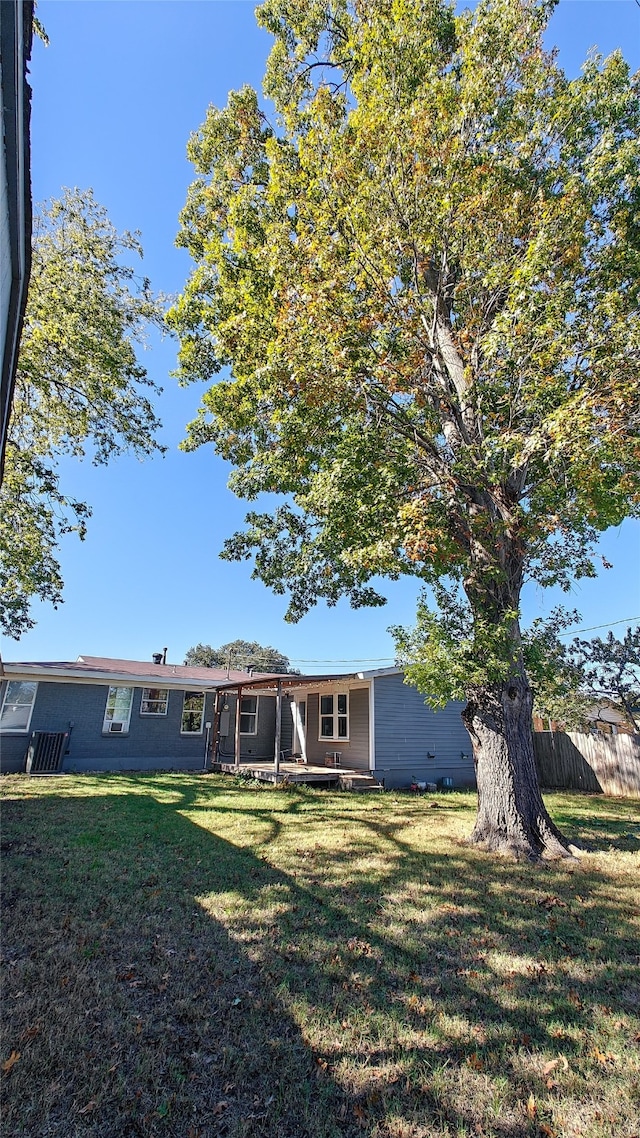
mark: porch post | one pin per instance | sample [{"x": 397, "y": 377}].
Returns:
[
  {"x": 276, "y": 757},
  {"x": 237, "y": 731},
  {"x": 216, "y": 726}
]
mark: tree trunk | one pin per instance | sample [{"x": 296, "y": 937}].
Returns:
[{"x": 512, "y": 817}]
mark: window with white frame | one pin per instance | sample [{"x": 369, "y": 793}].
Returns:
[
  {"x": 192, "y": 713},
  {"x": 249, "y": 715},
  {"x": 118, "y": 711},
  {"x": 17, "y": 705},
  {"x": 154, "y": 701},
  {"x": 334, "y": 716}
]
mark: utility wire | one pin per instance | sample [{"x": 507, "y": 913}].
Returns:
[
  {"x": 387, "y": 659},
  {"x": 593, "y": 627}
]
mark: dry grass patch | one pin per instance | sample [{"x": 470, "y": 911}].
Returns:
[{"x": 187, "y": 956}]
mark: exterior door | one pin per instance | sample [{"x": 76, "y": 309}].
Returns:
[{"x": 299, "y": 708}]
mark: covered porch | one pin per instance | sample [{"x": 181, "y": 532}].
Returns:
[{"x": 305, "y": 749}]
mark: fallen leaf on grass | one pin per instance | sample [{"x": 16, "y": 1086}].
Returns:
[
  {"x": 91, "y": 1105},
  {"x": 547, "y": 1130},
  {"x": 553, "y": 1063},
  {"x": 602, "y": 1056},
  {"x": 532, "y": 1109},
  {"x": 31, "y": 1032},
  {"x": 475, "y": 1062},
  {"x": 11, "y": 1061},
  {"x": 220, "y": 1106}
]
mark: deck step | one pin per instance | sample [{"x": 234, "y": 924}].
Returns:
[{"x": 363, "y": 783}]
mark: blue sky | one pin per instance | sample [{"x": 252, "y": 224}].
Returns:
[{"x": 115, "y": 97}]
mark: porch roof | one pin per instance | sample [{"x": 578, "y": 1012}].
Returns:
[{"x": 288, "y": 681}]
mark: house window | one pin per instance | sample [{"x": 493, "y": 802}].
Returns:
[
  {"x": 249, "y": 715},
  {"x": 154, "y": 701},
  {"x": 118, "y": 711},
  {"x": 192, "y": 713},
  {"x": 17, "y": 706},
  {"x": 334, "y": 716}
]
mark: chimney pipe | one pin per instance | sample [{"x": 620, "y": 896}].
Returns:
[{"x": 164, "y": 655}]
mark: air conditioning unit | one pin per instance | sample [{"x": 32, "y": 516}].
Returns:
[
  {"x": 46, "y": 751},
  {"x": 333, "y": 758},
  {"x": 115, "y": 727}
]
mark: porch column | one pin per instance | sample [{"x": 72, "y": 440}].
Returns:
[
  {"x": 216, "y": 726},
  {"x": 276, "y": 757},
  {"x": 237, "y": 731}
]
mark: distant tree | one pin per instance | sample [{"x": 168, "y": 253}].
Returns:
[
  {"x": 79, "y": 390},
  {"x": 556, "y": 679},
  {"x": 239, "y": 654},
  {"x": 611, "y": 667}
]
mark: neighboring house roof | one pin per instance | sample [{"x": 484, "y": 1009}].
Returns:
[
  {"x": 102, "y": 669},
  {"x": 16, "y": 23}
]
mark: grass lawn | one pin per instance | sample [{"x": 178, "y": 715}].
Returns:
[{"x": 188, "y": 956}]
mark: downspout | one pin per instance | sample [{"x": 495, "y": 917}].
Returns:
[
  {"x": 276, "y": 757},
  {"x": 237, "y": 730}
]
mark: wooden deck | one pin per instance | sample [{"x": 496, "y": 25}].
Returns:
[{"x": 307, "y": 773}]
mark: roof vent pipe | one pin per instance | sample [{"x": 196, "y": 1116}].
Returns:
[{"x": 164, "y": 655}]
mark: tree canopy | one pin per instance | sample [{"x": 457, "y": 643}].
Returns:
[
  {"x": 424, "y": 278},
  {"x": 239, "y": 654},
  {"x": 80, "y": 390}
]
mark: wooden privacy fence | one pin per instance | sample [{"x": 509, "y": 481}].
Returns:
[{"x": 604, "y": 764}]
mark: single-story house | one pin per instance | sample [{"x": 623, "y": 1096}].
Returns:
[
  {"x": 106, "y": 715},
  {"x": 121, "y": 714},
  {"x": 605, "y": 716},
  {"x": 16, "y": 31}
]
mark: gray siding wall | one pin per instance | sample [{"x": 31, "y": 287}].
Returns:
[
  {"x": 151, "y": 743},
  {"x": 259, "y": 747},
  {"x": 406, "y": 730},
  {"x": 355, "y": 751}
]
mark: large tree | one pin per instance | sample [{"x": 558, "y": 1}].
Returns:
[
  {"x": 424, "y": 278},
  {"x": 241, "y": 654},
  {"x": 79, "y": 390}
]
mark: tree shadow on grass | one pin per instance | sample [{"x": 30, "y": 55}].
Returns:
[{"x": 166, "y": 981}]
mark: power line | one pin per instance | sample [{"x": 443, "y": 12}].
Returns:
[
  {"x": 390, "y": 659},
  {"x": 356, "y": 660},
  {"x": 593, "y": 627}
]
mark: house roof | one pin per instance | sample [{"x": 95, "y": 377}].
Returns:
[{"x": 104, "y": 669}]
